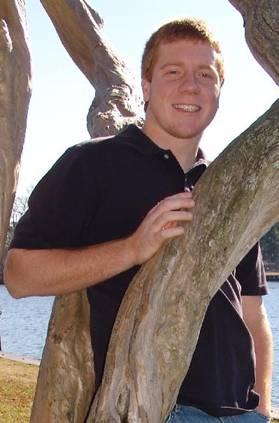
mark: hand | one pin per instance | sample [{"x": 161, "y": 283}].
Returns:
[
  {"x": 264, "y": 411},
  {"x": 161, "y": 224}
]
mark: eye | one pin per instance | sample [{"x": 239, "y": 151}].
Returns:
[
  {"x": 172, "y": 72},
  {"x": 206, "y": 74}
]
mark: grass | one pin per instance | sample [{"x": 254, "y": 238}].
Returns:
[{"x": 17, "y": 388}]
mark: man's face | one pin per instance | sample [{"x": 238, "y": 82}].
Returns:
[{"x": 183, "y": 94}]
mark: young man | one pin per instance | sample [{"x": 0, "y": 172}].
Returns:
[{"x": 105, "y": 208}]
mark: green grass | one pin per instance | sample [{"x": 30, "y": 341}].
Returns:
[{"x": 17, "y": 387}]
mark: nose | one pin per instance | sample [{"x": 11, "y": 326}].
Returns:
[{"x": 189, "y": 83}]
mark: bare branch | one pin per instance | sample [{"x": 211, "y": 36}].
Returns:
[
  {"x": 261, "y": 22},
  {"x": 15, "y": 92},
  {"x": 159, "y": 320},
  {"x": 117, "y": 101},
  {"x": 142, "y": 379}
]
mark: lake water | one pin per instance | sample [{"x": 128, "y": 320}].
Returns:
[{"x": 23, "y": 326}]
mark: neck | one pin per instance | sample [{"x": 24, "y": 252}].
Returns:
[
  {"x": 184, "y": 150},
  {"x": 186, "y": 155}
]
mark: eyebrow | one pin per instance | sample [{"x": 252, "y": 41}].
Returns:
[
  {"x": 203, "y": 66},
  {"x": 171, "y": 64}
]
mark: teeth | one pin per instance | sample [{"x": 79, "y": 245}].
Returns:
[{"x": 187, "y": 107}]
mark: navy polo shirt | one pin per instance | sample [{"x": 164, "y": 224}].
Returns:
[{"x": 101, "y": 191}]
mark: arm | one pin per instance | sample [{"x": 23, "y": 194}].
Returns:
[
  {"x": 61, "y": 271},
  {"x": 255, "y": 317}
]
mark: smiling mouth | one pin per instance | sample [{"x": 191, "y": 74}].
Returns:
[{"x": 187, "y": 107}]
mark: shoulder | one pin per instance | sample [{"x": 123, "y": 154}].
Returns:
[
  {"x": 94, "y": 157},
  {"x": 251, "y": 274},
  {"x": 98, "y": 147}
]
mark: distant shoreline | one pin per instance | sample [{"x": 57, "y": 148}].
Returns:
[
  {"x": 272, "y": 276},
  {"x": 20, "y": 359}
]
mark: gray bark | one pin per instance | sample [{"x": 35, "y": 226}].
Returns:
[
  {"x": 65, "y": 383},
  {"x": 60, "y": 395},
  {"x": 15, "y": 92},
  {"x": 260, "y": 19},
  {"x": 117, "y": 101},
  {"x": 154, "y": 337},
  {"x": 237, "y": 201}
]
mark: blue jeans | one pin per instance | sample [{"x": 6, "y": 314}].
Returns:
[{"x": 186, "y": 414}]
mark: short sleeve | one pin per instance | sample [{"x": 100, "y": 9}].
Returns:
[
  {"x": 251, "y": 274},
  {"x": 58, "y": 208}
]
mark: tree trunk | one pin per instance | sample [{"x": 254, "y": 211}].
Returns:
[
  {"x": 65, "y": 383},
  {"x": 60, "y": 395},
  {"x": 15, "y": 92},
  {"x": 168, "y": 298},
  {"x": 158, "y": 324}
]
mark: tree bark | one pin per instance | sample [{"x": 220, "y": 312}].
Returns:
[
  {"x": 150, "y": 352},
  {"x": 65, "y": 383},
  {"x": 117, "y": 102},
  {"x": 15, "y": 92},
  {"x": 261, "y": 19},
  {"x": 61, "y": 395},
  {"x": 155, "y": 334}
]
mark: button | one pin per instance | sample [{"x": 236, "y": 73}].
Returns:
[{"x": 166, "y": 156}]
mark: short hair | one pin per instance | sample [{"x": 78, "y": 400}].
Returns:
[{"x": 181, "y": 29}]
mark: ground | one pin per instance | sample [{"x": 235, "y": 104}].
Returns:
[{"x": 17, "y": 388}]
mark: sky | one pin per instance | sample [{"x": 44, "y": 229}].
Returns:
[{"x": 61, "y": 94}]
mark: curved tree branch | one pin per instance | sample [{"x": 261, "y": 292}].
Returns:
[
  {"x": 160, "y": 318},
  {"x": 117, "y": 101},
  {"x": 60, "y": 394},
  {"x": 166, "y": 307},
  {"x": 261, "y": 22},
  {"x": 15, "y": 92}
]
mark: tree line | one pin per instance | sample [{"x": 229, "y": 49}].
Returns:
[{"x": 270, "y": 249}]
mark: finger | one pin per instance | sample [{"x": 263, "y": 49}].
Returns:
[
  {"x": 167, "y": 205},
  {"x": 169, "y": 225},
  {"x": 172, "y": 232},
  {"x": 183, "y": 194},
  {"x": 171, "y": 216},
  {"x": 180, "y": 195},
  {"x": 176, "y": 203}
]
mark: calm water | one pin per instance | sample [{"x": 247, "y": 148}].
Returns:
[{"x": 23, "y": 326}]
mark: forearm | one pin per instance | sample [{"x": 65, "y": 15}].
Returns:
[
  {"x": 264, "y": 358},
  {"x": 256, "y": 319},
  {"x": 61, "y": 271}
]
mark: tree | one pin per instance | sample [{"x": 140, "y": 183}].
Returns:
[
  {"x": 19, "y": 207},
  {"x": 245, "y": 210},
  {"x": 15, "y": 93}
]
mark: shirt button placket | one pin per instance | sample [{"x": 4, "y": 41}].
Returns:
[{"x": 186, "y": 189}]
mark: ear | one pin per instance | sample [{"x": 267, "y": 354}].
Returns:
[{"x": 145, "y": 85}]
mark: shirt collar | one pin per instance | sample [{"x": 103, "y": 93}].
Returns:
[{"x": 137, "y": 139}]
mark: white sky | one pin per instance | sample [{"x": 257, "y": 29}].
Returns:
[{"x": 62, "y": 95}]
